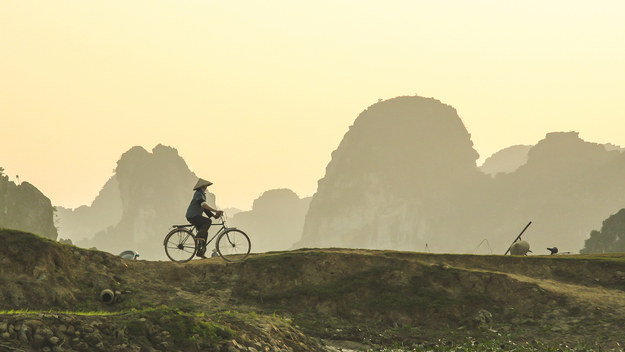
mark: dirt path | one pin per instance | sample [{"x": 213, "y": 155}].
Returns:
[{"x": 606, "y": 299}]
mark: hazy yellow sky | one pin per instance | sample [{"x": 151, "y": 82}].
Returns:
[{"x": 255, "y": 95}]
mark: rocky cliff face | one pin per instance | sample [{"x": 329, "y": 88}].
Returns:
[
  {"x": 275, "y": 221},
  {"x": 155, "y": 189},
  {"x": 23, "y": 207},
  {"x": 401, "y": 174},
  {"x": 404, "y": 177}
]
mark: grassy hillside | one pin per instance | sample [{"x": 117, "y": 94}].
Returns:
[{"x": 306, "y": 300}]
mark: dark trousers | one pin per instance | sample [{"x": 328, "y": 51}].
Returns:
[{"x": 202, "y": 224}]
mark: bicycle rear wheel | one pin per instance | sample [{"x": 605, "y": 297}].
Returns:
[
  {"x": 180, "y": 245},
  {"x": 233, "y": 245}
]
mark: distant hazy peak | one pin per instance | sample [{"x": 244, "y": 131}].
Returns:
[
  {"x": 568, "y": 150},
  {"x": 159, "y": 150},
  {"x": 506, "y": 160},
  {"x": 167, "y": 153},
  {"x": 554, "y": 148},
  {"x": 610, "y": 147},
  {"x": 275, "y": 197},
  {"x": 393, "y": 178},
  {"x": 404, "y": 132}
]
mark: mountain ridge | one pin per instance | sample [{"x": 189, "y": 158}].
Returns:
[{"x": 405, "y": 177}]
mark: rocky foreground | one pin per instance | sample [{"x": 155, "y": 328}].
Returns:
[
  {"x": 304, "y": 300},
  {"x": 151, "y": 330}
]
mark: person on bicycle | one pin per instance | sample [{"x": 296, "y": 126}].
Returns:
[{"x": 195, "y": 211}]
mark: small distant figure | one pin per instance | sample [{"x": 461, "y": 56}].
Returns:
[
  {"x": 553, "y": 250},
  {"x": 129, "y": 254},
  {"x": 214, "y": 254},
  {"x": 520, "y": 248}
]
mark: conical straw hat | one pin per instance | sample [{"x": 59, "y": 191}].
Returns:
[{"x": 201, "y": 183}]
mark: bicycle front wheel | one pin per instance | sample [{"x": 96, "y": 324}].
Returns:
[
  {"x": 233, "y": 245},
  {"x": 180, "y": 245}
]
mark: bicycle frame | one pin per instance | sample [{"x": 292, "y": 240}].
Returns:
[
  {"x": 219, "y": 232},
  {"x": 216, "y": 235}
]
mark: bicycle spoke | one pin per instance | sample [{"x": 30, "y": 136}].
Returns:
[
  {"x": 233, "y": 245},
  {"x": 180, "y": 245},
  {"x": 185, "y": 248}
]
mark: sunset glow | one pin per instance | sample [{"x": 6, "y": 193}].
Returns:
[{"x": 255, "y": 95}]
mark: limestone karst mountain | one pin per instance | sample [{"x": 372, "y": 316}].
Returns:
[
  {"x": 511, "y": 158},
  {"x": 275, "y": 221},
  {"x": 567, "y": 188},
  {"x": 23, "y": 207},
  {"x": 154, "y": 189},
  {"x": 150, "y": 192},
  {"x": 83, "y": 222},
  {"x": 404, "y": 177},
  {"x": 506, "y": 160}
]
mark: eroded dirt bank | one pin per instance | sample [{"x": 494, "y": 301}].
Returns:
[{"x": 298, "y": 300}]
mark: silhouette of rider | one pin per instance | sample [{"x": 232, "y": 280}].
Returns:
[{"x": 195, "y": 211}]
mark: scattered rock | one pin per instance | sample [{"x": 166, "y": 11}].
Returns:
[
  {"x": 54, "y": 340},
  {"x": 482, "y": 317},
  {"x": 93, "y": 338},
  {"x": 38, "y": 340},
  {"x": 45, "y": 332},
  {"x": 81, "y": 346},
  {"x": 25, "y": 334}
]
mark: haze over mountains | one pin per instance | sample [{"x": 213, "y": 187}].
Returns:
[
  {"x": 276, "y": 220},
  {"x": 403, "y": 177},
  {"x": 150, "y": 192},
  {"x": 83, "y": 222}
]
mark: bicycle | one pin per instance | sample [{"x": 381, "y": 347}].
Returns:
[{"x": 182, "y": 243}]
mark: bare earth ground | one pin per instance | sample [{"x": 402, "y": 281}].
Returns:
[{"x": 304, "y": 300}]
